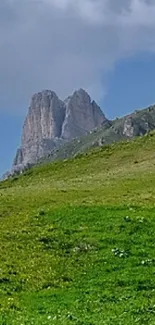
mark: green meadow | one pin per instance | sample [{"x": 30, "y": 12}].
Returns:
[{"x": 78, "y": 237}]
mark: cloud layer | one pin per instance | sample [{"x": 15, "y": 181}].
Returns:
[{"x": 67, "y": 44}]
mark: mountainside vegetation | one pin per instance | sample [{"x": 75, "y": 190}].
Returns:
[{"x": 77, "y": 239}]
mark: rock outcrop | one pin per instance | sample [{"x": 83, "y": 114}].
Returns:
[
  {"x": 81, "y": 116},
  {"x": 139, "y": 123},
  {"x": 51, "y": 122}
]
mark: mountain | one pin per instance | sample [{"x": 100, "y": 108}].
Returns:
[
  {"x": 56, "y": 129},
  {"x": 51, "y": 122},
  {"x": 138, "y": 123}
]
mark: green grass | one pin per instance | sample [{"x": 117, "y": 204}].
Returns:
[{"x": 77, "y": 240}]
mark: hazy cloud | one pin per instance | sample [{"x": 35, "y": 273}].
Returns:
[{"x": 67, "y": 44}]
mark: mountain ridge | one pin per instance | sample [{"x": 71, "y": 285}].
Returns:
[
  {"x": 138, "y": 123},
  {"x": 57, "y": 130}
]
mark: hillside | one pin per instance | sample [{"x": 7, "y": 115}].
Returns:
[{"x": 77, "y": 239}]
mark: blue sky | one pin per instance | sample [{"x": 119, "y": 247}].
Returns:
[
  {"x": 131, "y": 85},
  {"x": 10, "y": 130},
  {"x": 105, "y": 47}
]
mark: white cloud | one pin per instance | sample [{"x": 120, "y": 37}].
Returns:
[
  {"x": 67, "y": 44},
  {"x": 100, "y": 11}
]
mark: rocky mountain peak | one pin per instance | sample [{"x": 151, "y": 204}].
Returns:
[
  {"x": 82, "y": 115},
  {"x": 44, "y": 94},
  {"x": 50, "y": 122},
  {"x": 42, "y": 99},
  {"x": 44, "y": 119},
  {"x": 81, "y": 93}
]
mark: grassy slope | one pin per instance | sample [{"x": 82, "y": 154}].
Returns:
[{"x": 77, "y": 240}]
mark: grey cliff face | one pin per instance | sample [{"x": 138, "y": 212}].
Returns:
[
  {"x": 51, "y": 122},
  {"x": 138, "y": 126},
  {"x": 82, "y": 115},
  {"x": 45, "y": 118}
]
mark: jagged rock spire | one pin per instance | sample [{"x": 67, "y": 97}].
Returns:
[{"x": 51, "y": 121}]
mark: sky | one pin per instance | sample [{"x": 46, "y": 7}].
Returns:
[{"x": 104, "y": 46}]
